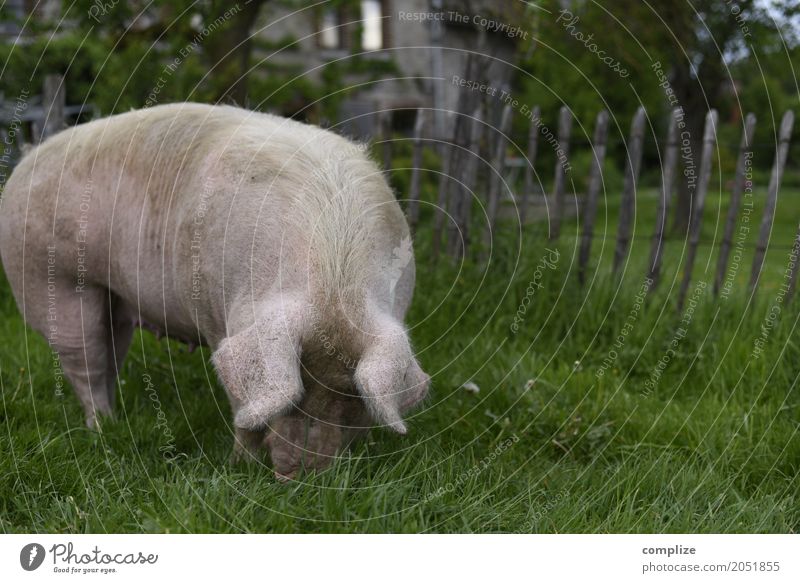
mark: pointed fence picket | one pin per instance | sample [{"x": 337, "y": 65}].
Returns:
[
  {"x": 699, "y": 202},
  {"x": 560, "y": 177},
  {"x": 460, "y": 185},
  {"x": 595, "y": 182},
  {"x": 664, "y": 200},
  {"x": 787, "y": 123},
  {"x": 628, "y": 203}
]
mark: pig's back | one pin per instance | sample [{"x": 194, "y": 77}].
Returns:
[
  {"x": 101, "y": 194},
  {"x": 247, "y": 193},
  {"x": 304, "y": 211}
]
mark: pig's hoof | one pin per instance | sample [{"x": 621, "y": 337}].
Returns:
[
  {"x": 285, "y": 478},
  {"x": 96, "y": 419}
]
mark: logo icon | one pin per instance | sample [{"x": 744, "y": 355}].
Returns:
[{"x": 31, "y": 556}]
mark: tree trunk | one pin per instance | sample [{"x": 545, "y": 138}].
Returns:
[
  {"x": 229, "y": 48},
  {"x": 689, "y": 163},
  {"x": 691, "y": 97}
]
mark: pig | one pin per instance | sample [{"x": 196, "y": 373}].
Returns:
[{"x": 276, "y": 244}]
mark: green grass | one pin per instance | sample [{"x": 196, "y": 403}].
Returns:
[{"x": 548, "y": 445}]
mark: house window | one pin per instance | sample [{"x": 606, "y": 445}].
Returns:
[
  {"x": 372, "y": 25},
  {"x": 330, "y": 32},
  {"x": 335, "y": 26}
]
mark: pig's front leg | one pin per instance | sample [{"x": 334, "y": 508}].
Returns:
[{"x": 248, "y": 445}]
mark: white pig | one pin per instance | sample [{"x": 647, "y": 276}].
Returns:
[{"x": 277, "y": 244}]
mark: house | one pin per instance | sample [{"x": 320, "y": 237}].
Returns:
[
  {"x": 418, "y": 47},
  {"x": 392, "y": 56}
]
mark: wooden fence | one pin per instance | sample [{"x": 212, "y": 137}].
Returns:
[
  {"x": 458, "y": 185},
  {"x": 33, "y": 118},
  {"x": 472, "y": 147}
]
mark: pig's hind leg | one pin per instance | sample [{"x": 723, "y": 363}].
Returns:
[
  {"x": 86, "y": 350},
  {"x": 119, "y": 335}
]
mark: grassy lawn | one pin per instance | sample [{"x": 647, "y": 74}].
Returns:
[{"x": 584, "y": 421}]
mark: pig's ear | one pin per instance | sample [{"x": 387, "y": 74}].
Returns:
[
  {"x": 260, "y": 368},
  {"x": 389, "y": 379},
  {"x": 417, "y": 384}
]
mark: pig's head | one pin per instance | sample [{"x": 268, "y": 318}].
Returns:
[{"x": 312, "y": 381}]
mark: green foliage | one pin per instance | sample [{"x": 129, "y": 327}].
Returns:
[
  {"x": 111, "y": 63},
  {"x": 736, "y": 66},
  {"x": 119, "y": 55}
]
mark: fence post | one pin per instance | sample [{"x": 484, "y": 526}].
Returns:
[
  {"x": 772, "y": 195},
  {"x": 386, "y": 136},
  {"x": 739, "y": 181},
  {"x": 455, "y": 194},
  {"x": 416, "y": 169},
  {"x": 496, "y": 177},
  {"x": 560, "y": 178},
  {"x": 793, "y": 269},
  {"x": 4, "y": 139},
  {"x": 667, "y": 188},
  {"x": 53, "y": 102},
  {"x": 533, "y": 146},
  {"x": 441, "y": 199},
  {"x": 699, "y": 201},
  {"x": 462, "y": 213},
  {"x": 593, "y": 191},
  {"x": 634, "y": 150},
  {"x": 452, "y": 157}
]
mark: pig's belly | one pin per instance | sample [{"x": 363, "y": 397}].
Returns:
[{"x": 146, "y": 293}]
